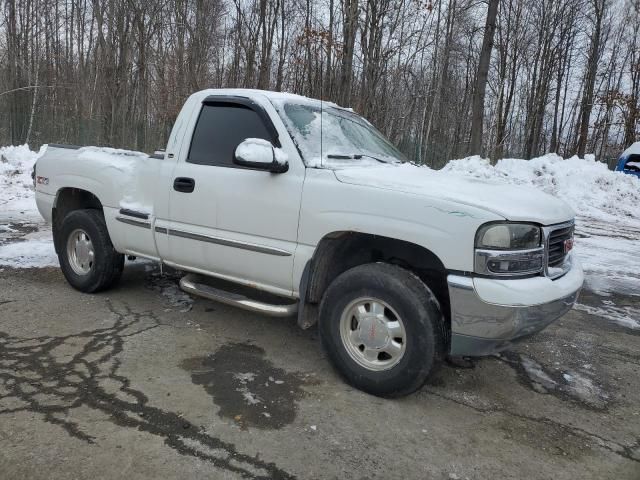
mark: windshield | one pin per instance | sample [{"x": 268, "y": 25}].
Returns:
[{"x": 347, "y": 139}]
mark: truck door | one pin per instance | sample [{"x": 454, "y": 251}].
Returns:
[{"x": 229, "y": 221}]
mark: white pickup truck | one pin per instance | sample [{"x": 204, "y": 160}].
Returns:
[{"x": 287, "y": 205}]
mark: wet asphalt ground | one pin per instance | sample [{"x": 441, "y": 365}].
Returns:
[{"x": 143, "y": 382}]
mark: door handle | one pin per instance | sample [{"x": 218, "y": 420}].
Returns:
[{"x": 184, "y": 184}]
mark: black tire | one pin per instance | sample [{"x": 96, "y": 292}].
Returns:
[
  {"x": 414, "y": 303},
  {"x": 106, "y": 268}
]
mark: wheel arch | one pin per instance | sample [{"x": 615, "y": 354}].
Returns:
[
  {"x": 68, "y": 199},
  {"x": 339, "y": 251}
]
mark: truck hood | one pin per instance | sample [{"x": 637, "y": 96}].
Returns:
[{"x": 513, "y": 202}]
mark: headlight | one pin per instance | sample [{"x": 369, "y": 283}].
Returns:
[
  {"x": 508, "y": 249},
  {"x": 508, "y": 236}
]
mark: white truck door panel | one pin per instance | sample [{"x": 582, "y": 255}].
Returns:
[
  {"x": 237, "y": 223},
  {"x": 261, "y": 210},
  {"x": 191, "y": 212}
]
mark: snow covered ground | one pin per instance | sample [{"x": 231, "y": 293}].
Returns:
[{"x": 607, "y": 205}]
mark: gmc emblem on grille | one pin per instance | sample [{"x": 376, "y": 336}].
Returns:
[{"x": 568, "y": 245}]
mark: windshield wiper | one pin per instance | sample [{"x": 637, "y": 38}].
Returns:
[{"x": 355, "y": 156}]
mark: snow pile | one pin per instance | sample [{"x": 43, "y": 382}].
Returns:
[
  {"x": 634, "y": 149},
  {"x": 25, "y": 240},
  {"x": 128, "y": 203},
  {"x": 16, "y": 184},
  {"x": 592, "y": 189}
]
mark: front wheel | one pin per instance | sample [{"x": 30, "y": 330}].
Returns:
[
  {"x": 87, "y": 257},
  {"x": 382, "y": 328}
]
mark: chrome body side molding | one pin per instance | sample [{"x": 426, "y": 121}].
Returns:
[
  {"x": 135, "y": 223},
  {"x": 224, "y": 241}
]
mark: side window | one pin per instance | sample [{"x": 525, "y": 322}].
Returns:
[{"x": 220, "y": 129}]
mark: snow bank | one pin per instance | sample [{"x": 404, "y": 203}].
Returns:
[
  {"x": 16, "y": 184},
  {"x": 592, "y": 189},
  {"x": 18, "y": 212}
]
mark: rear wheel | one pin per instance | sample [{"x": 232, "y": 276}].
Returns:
[
  {"x": 87, "y": 257},
  {"x": 382, "y": 328}
]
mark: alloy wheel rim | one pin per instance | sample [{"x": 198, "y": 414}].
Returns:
[
  {"x": 373, "y": 334},
  {"x": 80, "y": 252}
]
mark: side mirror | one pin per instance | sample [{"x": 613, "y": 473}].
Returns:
[{"x": 260, "y": 154}]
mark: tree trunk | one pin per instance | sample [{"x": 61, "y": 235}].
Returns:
[
  {"x": 477, "y": 114},
  {"x": 350, "y": 12},
  {"x": 586, "y": 104}
]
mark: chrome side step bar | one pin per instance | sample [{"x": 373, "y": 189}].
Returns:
[{"x": 195, "y": 285}]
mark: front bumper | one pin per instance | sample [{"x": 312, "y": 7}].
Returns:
[{"x": 487, "y": 315}]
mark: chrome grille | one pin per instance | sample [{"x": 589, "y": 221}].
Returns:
[
  {"x": 555, "y": 240},
  {"x": 556, "y": 245}
]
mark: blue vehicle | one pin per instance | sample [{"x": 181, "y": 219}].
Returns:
[{"x": 629, "y": 161}]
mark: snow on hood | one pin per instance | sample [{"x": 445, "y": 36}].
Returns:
[{"x": 518, "y": 203}]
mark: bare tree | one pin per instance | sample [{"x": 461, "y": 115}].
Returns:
[
  {"x": 586, "y": 104},
  {"x": 441, "y": 78},
  {"x": 477, "y": 115}
]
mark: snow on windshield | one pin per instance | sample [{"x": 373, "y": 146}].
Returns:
[{"x": 334, "y": 137}]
